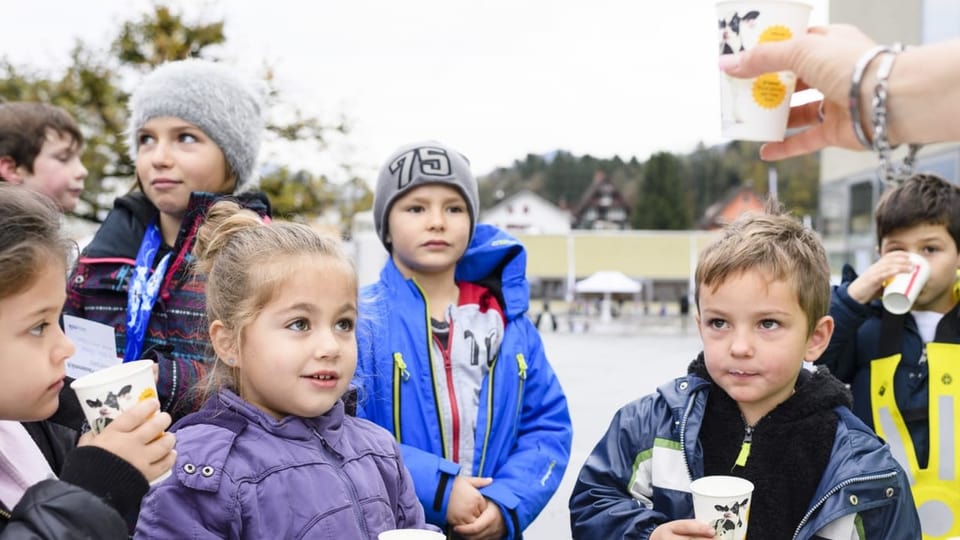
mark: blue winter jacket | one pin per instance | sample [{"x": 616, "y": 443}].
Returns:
[
  {"x": 242, "y": 474},
  {"x": 523, "y": 429},
  {"x": 651, "y": 449}
]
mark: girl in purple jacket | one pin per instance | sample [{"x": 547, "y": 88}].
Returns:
[{"x": 272, "y": 454}]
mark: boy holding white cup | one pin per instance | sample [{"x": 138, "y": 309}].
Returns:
[
  {"x": 899, "y": 365},
  {"x": 747, "y": 408}
]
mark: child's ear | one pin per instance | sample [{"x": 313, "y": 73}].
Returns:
[
  {"x": 9, "y": 170},
  {"x": 819, "y": 338},
  {"x": 223, "y": 340}
]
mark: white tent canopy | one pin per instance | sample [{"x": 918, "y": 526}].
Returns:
[{"x": 608, "y": 281}]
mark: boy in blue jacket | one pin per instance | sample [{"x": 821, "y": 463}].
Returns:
[
  {"x": 448, "y": 362},
  {"x": 747, "y": 408},
  {"x": 901, "y": 368}
]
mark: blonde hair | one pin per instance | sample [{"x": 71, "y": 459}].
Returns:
[
  {"x": 777, "y": 244},
  {"x": 245, "y": 261}
]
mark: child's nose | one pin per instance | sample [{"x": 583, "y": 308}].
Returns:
[{"x": 160, "y": 155}]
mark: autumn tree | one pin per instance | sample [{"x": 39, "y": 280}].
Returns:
[{"x": 91, "y": 90}]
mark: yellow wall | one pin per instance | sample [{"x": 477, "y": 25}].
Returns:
[{"x": 638, "y": 254}]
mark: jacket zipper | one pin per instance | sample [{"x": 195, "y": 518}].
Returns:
[
  {"x": 683, "y": 435},
  {"x": 744, "y": 446},
  {"x": 357, "y": 513},
  {"x": 522, "y": 376},
  {"x": 489, "y": 426},
  {"x": 834, "y": 490},
  {"x": 451, "y": 393},
  {"x": 400, "y": 374},
  {"x": 433, "y": 373}
]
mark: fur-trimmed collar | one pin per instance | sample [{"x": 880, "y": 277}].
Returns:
[{"x": 790, "y": 450}]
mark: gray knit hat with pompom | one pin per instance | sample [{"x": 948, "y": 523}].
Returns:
[{"x": 225, "y": 106}]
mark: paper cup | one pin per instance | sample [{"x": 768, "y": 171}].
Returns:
[
  {"x": 723, "y": 502},
  {"x": 756, "y": 109},
  {"x": 410, "y": 534},
  {"x": 104, "y": 394},
  {"x": 902, "y": 290}
]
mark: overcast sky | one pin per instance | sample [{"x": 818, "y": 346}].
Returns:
[{"x": 496, "y": 79}]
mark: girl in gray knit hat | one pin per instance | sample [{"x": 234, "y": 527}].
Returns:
[{"x": 194, "y": 132}]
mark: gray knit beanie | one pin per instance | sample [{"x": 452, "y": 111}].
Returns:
[
  {"x": 226, "y": 107},
  {"x": 417, "y": 164}
]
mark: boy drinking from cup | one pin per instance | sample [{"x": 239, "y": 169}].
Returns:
[
  {"x": 898, "y": 365},
  {"x": 747, "y": 408}
]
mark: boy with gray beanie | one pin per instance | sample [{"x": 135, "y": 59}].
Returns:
[
  {"x": 447, "y": 359},
  {"x": 195, "y": 129}
]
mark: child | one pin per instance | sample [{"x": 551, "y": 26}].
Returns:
[
  {"x": 449, "y": 362},
  {"x": 910, "y": 355},
  {"x": 40, "y": 148},
  {"x": 195, "y": 130},
  {"x": 104, "y": 479},
  {"x": 272, "y": 454},
  {"x": 748, "y": 408}
]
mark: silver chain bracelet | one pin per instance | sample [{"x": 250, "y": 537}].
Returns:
[{"x": 891, "y": 173}]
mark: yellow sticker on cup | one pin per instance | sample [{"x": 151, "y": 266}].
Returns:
[
  {"x": 147, "y": 394},
  {"x": 776, "y": 32},
  {"x": 768, "y": 91}
]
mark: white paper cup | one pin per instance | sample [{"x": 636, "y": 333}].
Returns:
[
  {"x": 410, "y": 534},
  {"x": 104, "y": 394},
  {"x": 756, "y": 109},
  {"x": 902, "y": 290},
  {"x": 723, "y": 502}
]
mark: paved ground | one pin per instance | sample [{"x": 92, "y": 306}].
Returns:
[{"x": 600, "y": 372}]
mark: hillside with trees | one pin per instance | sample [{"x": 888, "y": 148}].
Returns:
[
  {"x": 667, "y": 191},
  {"x": 96, "y": 85}
]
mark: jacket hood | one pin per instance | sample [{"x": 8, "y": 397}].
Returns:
[
  {"x": 498, "y": 261},
  {"x": 121, "y": 233}
]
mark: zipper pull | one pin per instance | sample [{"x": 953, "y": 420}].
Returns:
[
  {"x": 745, "y": 448},
  {"x": 401, "y": 366},
  {"x": 522, "y": 363}
]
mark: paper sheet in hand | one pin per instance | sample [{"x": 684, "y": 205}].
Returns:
[{"x": 96, "y": 346}]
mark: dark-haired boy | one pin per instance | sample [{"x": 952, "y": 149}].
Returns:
[
  {"x": 903, "y": 369},
  {"x": 40, "y": 148}
]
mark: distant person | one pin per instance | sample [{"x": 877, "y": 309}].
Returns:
[
  {"x": 684, "y": 302},
  {"x": 272, "y": 453},
  {"x": 195, "y": 130},
  {"x": 545, "y": 320},
  {"x": 449, "y": 362},
  {"x": 901, "y": 367},
  {"x": 51, "y": 487},
  {"x": 40, "y": 148},
  {"x": 747, "y": 408},
  {"x": 924, "y": 89}
]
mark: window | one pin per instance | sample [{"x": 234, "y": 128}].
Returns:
[
  {"x": 941, "y": 20},
  {"x": 943, "y": 165},
  {"x": 861, "y": 207}
]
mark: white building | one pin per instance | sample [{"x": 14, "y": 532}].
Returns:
[{"x": 526, "y": 212}]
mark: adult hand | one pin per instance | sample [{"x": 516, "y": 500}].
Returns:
[
  {"x": 823, "y": 59},
  {"x": 138, "y": 437}
]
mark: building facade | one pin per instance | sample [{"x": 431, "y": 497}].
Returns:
[{"x": 849, "y": 183}]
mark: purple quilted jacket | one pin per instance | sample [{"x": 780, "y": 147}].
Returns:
[{"x": 242, "y": 474}]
